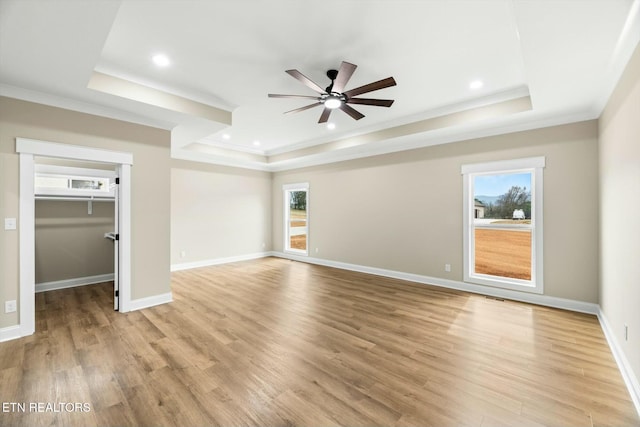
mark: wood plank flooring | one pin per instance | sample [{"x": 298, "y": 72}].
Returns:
[{"x": 273, "y": 342}]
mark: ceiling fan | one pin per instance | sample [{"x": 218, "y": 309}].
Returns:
[{"x": 333, "y": 96}]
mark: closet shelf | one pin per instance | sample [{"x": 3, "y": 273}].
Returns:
[{"x": 75, "y": 198}]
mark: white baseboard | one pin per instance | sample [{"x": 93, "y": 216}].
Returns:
[
  {"x": 72, "y": 283},
  {"x": 140, "y": 303},
  {"x": 15, "y": 332},
  {"x": 10, "y": 333},
  {"x": 545, "y": 300},
  {"x": 629, "y": 377},
  {"x": 218, "y": 261}
]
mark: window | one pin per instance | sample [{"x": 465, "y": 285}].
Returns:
[
  {"x": 62, "y": 181},
  {"x": 503, "y": 224},
  {"x": 296, "y": 218}
]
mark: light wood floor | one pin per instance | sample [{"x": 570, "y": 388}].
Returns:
[{"x": 273, "y": 342}]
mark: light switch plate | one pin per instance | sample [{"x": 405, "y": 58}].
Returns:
[
  {"x": 9, "y": 223},
  {"x": 10, "y": 306}
]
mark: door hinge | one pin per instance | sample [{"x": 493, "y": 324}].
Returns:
[
  {"x": 117, "y": 293},
  {"x": 117, "y": 180},
  {"x": 118, "y": 236}
]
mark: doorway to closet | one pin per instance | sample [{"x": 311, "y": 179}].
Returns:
[
  {"x": 76, "y": 225},
  {"x": 119, "y": 164}
]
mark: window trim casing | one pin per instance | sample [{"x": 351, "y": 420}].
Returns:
[
  {"x": 286, "y": 188},
  {"x": 529, "y": 164}
]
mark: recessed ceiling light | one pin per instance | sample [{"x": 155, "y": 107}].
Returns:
[
  {"x": 256, "y": 143},
  {"x": 476, "y": 84},
  {"x": 161, "y": 60},
  {"x": 226, "y": 136},
  {"x": 331, "y": 126}
]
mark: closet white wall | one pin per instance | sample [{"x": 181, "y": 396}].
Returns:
[{"x": 70, "y": 247}]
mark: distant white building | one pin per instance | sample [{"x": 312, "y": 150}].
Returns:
[
  {"x": 518, "y": 214},
  {"x": 478, "y": 209}
]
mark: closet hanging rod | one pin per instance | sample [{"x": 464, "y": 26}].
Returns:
[{"x": 76, "y": 199}]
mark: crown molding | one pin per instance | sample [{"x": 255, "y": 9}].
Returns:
[
  {"x": 493, "y": 127},
  {"x": 525, "y": 121},
  {"x": 52, "y": 100},
  {"x": 196, "y": 156},
  {"x": 468, "y": 104},
  {"x": 627, "y": 43}
]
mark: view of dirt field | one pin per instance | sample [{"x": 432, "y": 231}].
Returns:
[
  {"x": 298, "y": 218},
  {"x": 299, "y": 242},
  {"x": 504, "y": 253}
]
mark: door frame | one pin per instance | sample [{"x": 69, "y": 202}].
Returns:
[{"x": 27, "y": 149}]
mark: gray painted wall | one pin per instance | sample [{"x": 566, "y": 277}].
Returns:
[
  {"x": 619, "y": 207},
  {"x": 70, "y": 243},
  {"x": 403, "y": 211}
]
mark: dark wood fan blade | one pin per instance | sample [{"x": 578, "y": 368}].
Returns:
[
  {"x": 344, "y": 74},
  {"x": 355, "y": 114},
  {"x": 325, "y": 115},
  {"x": 305, "y": 80},
  {"x": 276, "y": 95},
  {"x": 370, "y": 101},
  {"x": 380, "y": 84},
  {"x": 306, "y": 107}
]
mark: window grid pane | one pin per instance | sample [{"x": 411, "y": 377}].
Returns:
[
  {"x": 503, "y": 252},
  {"x": 298, "y": 220}
]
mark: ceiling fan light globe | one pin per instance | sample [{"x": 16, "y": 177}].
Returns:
[{"x": 332, "y": 102}]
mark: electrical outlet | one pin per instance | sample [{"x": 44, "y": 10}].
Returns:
[
  {"x": 447, "y": 268},
  {"x": 10, "y": 306},
  {"x": 317, "y": 250},
  {"x": 183, "y": 254},
  {"x": 10, "y": 224}
]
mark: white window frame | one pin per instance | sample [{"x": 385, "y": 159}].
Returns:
[
  {"x": 286, "y": 190},
  {"x": 533, "y": 165}
]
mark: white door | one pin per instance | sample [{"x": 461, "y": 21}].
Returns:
[{"x": 116, "y": 248}]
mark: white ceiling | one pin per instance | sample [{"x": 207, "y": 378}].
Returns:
[{"x": 228, "y": 54}]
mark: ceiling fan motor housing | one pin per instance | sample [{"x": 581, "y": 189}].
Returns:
[{"x": 332, "y": 74}]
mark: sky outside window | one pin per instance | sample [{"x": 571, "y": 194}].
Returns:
[{"x": 497, "y": 185}]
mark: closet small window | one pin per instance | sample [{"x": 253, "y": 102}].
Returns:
[
  {"x": 61, "y": 181},
  {"x": 97, "y": 184}
]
